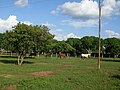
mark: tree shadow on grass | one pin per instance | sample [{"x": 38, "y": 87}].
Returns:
[
  {"x": 116, "y": 76},
  {"x": 15, "y": 57},
  {"x": 110, "y": 60},
  {"x": 8, "y": 56},
  {"x": 14, "y": 62}
]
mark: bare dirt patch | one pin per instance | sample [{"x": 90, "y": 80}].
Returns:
[
  {"x": 42, "y": 73},
  {"x": 7, "y": 75},
  {"x": 41, "y": 63},
  {"x": 10, "y": 87}
]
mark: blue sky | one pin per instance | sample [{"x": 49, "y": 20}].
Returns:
[{"x": 65, "y": 18}]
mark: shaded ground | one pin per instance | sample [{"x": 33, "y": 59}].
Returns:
[
  {"x": 15, "y": 57},
  {"x": 14, "y": 62},
  {"x": 116, "y": 76},
  {"x": 111, "y": 60}
]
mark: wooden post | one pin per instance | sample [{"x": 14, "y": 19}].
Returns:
[{"x": 99, "y": 42}]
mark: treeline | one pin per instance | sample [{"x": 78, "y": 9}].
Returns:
[{"x": 24, "y": 38}]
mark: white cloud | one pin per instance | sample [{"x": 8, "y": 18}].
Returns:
[
  {"x": 10, "y": 22},
  {"x": 59, "y": 30},
  {"x": 71, "y": 35},
  {"x": 108, "y": 8},
  {"x": 117, "y": 11},
  {"x": 21, "y": 3},
  {"x": 86, "y": 23},
  {"x": 61, "y": 37},
  {"x": 112, "y": 34},
  {"x": 53, "y": 12},
  {"x": 7, "y": 24},
  {"x": 83, "y": 9},
  {"x": 88, "y": 9},
  {"x": 48, "y": 25},
  {"x": 27, "y": 22}
]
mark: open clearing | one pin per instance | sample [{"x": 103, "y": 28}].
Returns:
[{"x": 59, "y": 74}]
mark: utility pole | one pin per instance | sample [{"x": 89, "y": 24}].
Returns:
[{"x": 99, "y": 41}]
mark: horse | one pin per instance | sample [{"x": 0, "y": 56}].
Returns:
[
  {"x": 60, "y": 55},
  {"x": 85, "y": 55},
  {"x": 48, "y": 55}
]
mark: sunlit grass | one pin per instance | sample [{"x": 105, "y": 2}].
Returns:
[{"x": 59, "y": 74}]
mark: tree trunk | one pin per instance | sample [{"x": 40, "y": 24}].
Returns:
[
  {"x": 11, "y": 53},
  {"x": 56, "y": 55},
  {"x": 18, "y": 59},
  {"x": 51, "y": 55},
  {"x": 22, "y": 58},
  {"x": 38, "y": 54},
  {"x": 94, "y": 55},
  {"x": 67, "y": 54},
  {"x": 88, "y": 51}
]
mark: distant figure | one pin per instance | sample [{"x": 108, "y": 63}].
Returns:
[
  {"x": 48, "y": 55},
  {"x": 60, "y": 55},
  {"x": 33, "y": 54},
  {"x": 85, "y": 55}
]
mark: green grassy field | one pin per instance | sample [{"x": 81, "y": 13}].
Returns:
[{"x": 59, "y": 74}]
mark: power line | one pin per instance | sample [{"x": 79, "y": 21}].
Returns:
[{"x": 11, "y": 4}]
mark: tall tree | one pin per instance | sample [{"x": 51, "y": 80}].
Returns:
[
  {"x": 24, "y": 38},
  {"x": 89, "y": 43},
  {"x": 112, "y": 46},
  {"x": 42, "y": 38},
  {"x": 19, "y": 40},
  {"x": 76, "y": 44},
  {"x": 61, "y": 46},
  {"x": 1, "y": 40}
]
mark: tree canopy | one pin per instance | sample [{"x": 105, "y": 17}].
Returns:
[
  {"x": 24, "y": 38},
  {"x": 112, "y": 46}
]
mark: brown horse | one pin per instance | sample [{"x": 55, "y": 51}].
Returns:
[
  {"x": 48, "y": 55},
  {"x": 60, "y": 55}
]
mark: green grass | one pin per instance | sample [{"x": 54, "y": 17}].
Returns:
[{"x": 59, "y": 74}]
